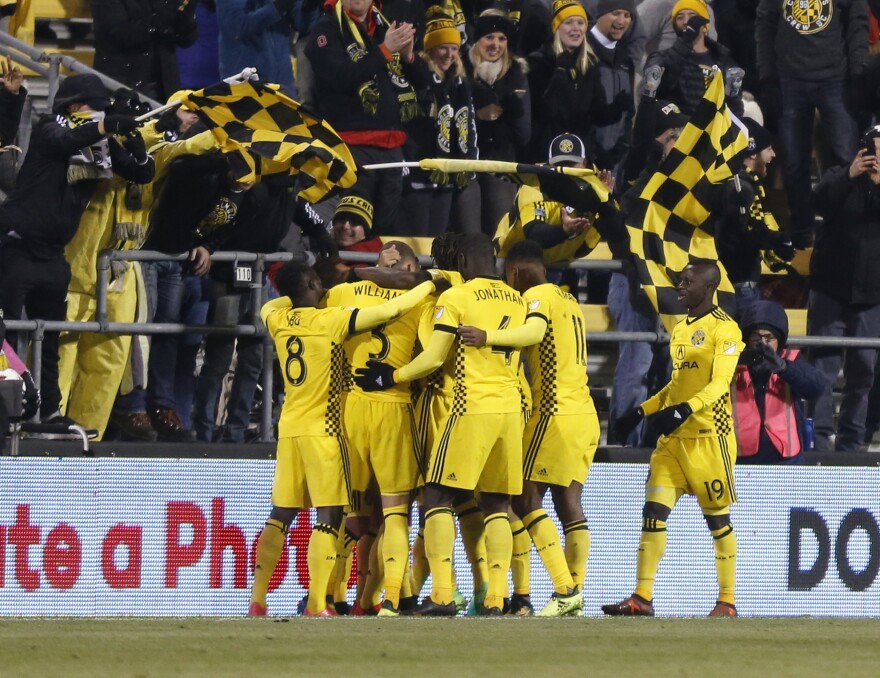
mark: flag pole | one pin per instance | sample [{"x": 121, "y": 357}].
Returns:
[{"x": 249, "y": 73}]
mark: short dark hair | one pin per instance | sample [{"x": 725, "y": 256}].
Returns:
[
  {"x": 477, "y": 246},
  {"x": 526, "y": 250},
  {"x": 292, "y": 278}
]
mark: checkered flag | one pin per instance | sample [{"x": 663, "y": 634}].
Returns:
[
  {"x": 265, "y": 132},
  {"x": 667, "y": 227}
]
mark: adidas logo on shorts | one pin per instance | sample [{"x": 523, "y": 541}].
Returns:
[
  {"x": 543, "y": 472},
  {"x": 451, "y": 476}
]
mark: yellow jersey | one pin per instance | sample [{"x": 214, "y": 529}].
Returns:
[
  {"x": 309, "y": 344},
  {"x": 531, "y": 206},
  {"x": 705, "y": 351},
  {"x": 485, "y": 380},
  {"x": 391, "y": 343},
  {"x": 558, "y": 364}
]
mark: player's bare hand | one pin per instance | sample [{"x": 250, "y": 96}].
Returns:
[
  {"x": 11, "y": 76},
  {"x": 607, "y": 178},
  {"x": 388, "y": 257},
  {"x": 201, "y": 261},
  {"x": 472, "y": 336},
  {"x": 863, "y": 164},
  {"x": 573, "y": 225}
]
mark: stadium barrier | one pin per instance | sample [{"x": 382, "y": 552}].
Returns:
[
  {"x": 176, "y": 537},
  {"x": 34, "y": 330}
]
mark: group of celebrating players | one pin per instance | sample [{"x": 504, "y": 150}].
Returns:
[{"x": 470, "y": 393}]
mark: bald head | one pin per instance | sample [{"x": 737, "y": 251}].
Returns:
[
  {"x": 697, "y": 284},
  {"x": 707, "y": 272}
]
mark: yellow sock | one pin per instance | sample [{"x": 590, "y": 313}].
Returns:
[
  {"x": 342, "y": 572},
  {"x": 406, "y": 590},
  {"x": 521, "y": 560},
  {"x": 321, "y": 559},
  {"x": 546, "y": 539},
  {"x": 269, "y": 548},
  {"x": 439, "y": 543},
  {"x": 652, "y": 546},
  {"x": 499, "y": 546},
  {"x": 372, "y": 595},
  {"x": 364, "y": 546},
  {"x": 577, "y": 549},
  {"x": 725, "y": 562},
  {"x": 395, "y": 550},
  {"x": 420, "y": 566},
  {"x": 473, "y": 536}
]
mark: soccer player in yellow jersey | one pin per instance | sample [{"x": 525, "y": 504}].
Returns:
[
  {"x": 313, "y": 467},
  {"x": 697, "y": 448},
  {"x": 562, "y": 433},
  {"x": 480, "y": 447},
  {"x": 380, "y": 425}
]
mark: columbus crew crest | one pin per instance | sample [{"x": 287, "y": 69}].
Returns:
[
  {"x": 698, "y": 337},
  {"x": 807, "y": 16}
]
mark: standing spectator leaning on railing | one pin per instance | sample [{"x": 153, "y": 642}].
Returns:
[{"x": 69, "y": 153}]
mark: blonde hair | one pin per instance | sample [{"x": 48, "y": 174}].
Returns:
[
  {"x": 457, "y": 68},
  {"x": 586, "y": 57}
]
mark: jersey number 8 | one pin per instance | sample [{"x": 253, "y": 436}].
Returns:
[{"x": 295, "y": 349}]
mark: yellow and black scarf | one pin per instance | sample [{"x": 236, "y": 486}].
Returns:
[{"x": 369, "y": 91}]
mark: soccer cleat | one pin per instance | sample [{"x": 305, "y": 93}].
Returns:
[
  {"x": 520, "y": 605},
  {"x": 477, "y": 600},
  {"x": 388, "y": 610},
  {"x": 326, "y": 612},
  {"x": 460, "y": 601},
  {"x": 490, "y": 611},
  {"x": 561, "y": 605},
  {"x": 408, "y": 605},
  {"x": 343, "y": 609},
  {"x": 257, "y": 610},
  {"x": 723, "y": 609},
  {"x": 634, "y": 606},
  {"x": 358, "y": 611},
  {"x": 429, "y": 608}
]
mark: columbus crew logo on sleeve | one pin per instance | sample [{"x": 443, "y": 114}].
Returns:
[{"x": 807, "y": 16}]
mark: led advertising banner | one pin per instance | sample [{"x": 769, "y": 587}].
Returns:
[{"x": 177, "y": 537}]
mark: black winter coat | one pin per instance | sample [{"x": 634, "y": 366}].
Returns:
[
  {"x": 844, "y": 262},
  {"x": 44, "y": 209},
  {"x": 502, "y": 138},
  {"x": 684, "y": 82},
  {"x": 136, "y": 42}
]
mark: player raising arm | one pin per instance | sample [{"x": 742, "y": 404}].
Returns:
[
  {"x": 313, "y": 467},
  {"x": 480, "y": 447}
]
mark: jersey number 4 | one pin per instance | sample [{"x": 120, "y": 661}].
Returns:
[{"x": 506, "y": 350}]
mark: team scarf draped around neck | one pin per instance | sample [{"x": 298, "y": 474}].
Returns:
[
  {"x": 92, "y": 162},
  {"x": 452, "y": 109},
  {"x": 369, "y": 91}
]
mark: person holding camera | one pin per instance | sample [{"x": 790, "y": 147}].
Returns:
[
  {"x": 680, "y": 73},
  {"x": 769, "y": 387},
  {"x": 845, "y": 291}
]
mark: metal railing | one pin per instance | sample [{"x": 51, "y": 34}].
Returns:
[{"x": 36, "y": 329}]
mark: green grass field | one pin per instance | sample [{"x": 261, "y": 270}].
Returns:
[{"x": 711, "y": 648}]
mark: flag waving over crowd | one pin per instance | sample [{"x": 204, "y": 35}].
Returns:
[
  {"x": 668, "y": 229},
  {"x": 266, "y": 132}
]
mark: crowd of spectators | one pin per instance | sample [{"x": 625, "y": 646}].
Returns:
[{"x": 405, "y": 80}]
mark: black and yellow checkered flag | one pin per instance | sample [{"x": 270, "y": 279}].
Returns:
[
  {"x": 266, "y": 132},
  {"x": 668, "y": 227}
]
